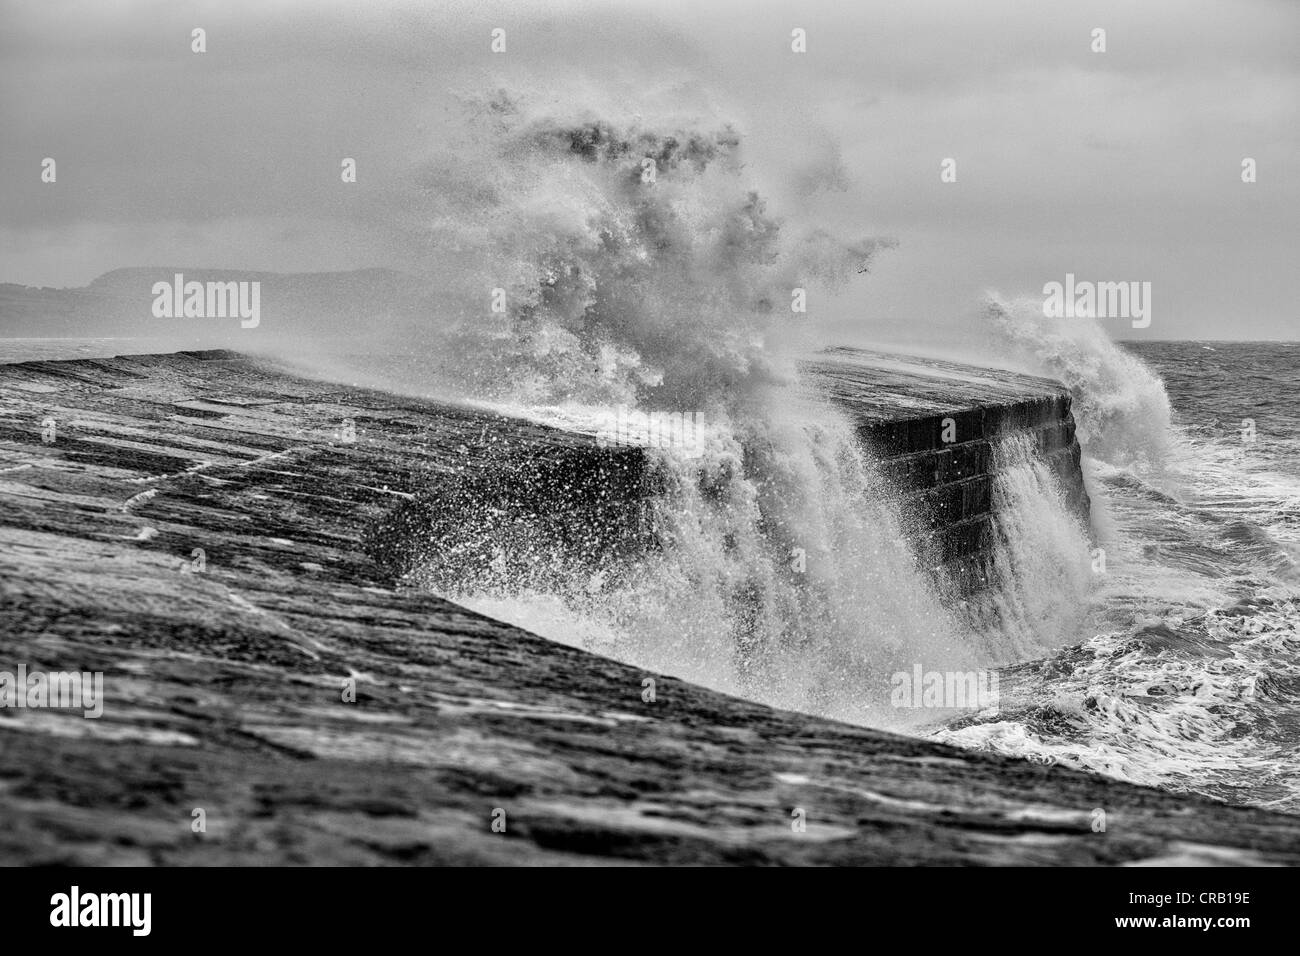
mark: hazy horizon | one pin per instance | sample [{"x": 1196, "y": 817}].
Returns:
[
  {"x": 1115, "y": 166},
  {"x": 233, "y": 273}
]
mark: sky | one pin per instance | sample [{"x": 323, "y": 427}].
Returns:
[{"x": 1123, "y": 165}]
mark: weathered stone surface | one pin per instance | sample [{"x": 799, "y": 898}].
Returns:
[{"x": 224, "y": 686}]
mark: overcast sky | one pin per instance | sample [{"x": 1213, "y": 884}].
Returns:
[{"x": 1124, "y": 165}]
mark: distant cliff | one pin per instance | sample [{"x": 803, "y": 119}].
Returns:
[{"x": 119, "y": 303}]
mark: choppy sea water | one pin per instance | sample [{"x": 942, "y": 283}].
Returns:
[{"x": 1191, "y": 678}]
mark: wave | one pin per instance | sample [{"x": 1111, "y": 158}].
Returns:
[
  {"x": 589, "y": 262},
  {"x": 607, "y": 261},
  {"x": 772, "y": 561},
  {"x": 783, "y": 572},
  {"x": 1120, "y": 405},
  {"x": 1191, "y": 676}
]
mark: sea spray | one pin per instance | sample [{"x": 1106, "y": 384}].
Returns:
[
  {"x": 564, "y": 276},
  {"x": 784, "y": 570},
  {"x": 771, "y": 561},
  {"x": 1120, "y": 405},
  {"x": 672, "y": 296},
  {"x": 777, "y": 566}
]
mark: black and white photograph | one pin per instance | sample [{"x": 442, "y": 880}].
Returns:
[{"x": 648, "y": 433}]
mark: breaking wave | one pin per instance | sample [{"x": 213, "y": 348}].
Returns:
[
  {"x": 1120, "y": 405},
  {"x": 773, "y": 561},
  {"x": 1191, "y": 676},
  {"x": 778, "y": 564}
]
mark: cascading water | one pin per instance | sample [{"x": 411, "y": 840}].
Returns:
[{"x": 1041, "y": 567}]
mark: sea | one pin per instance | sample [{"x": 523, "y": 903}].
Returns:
[{"x": 1190, "y": 680}]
